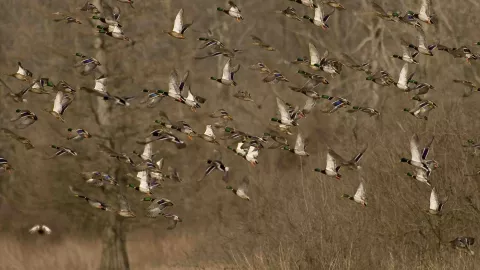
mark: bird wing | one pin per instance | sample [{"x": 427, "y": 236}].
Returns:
[
  {"x": 100, "y": 84},
  {"x": 331, "y": 164},
  {"x": 46, "y": 229},
  {"x": 123, "y": 203},
  {"x": 282, "y": 109},
  {"x": 142, "y": 176},
  {"x": 424, "y": 9},
  {"x": 178, "y": 24},
  {"x": 314, "y": 57},
  {"x": 421, "y": 37},
  {"x": 402, "y": 78},
  {"x": 159, "y": 163},
  {"x": 318, "y": 13},
  {"x": 359, "y": 155},
  {"x": 244, "y": 185},
  {"x": 414, "y": 148},
  {"x": 226, "y": 70},
  {"x": 209, "y": 131},
  {"x": 299, "y": 143},
  {"x": 360, "y": 194},
  {"x": 378, "y": 8},
  {"x": 434, "y": 203},
  {"x": 147, "y": 152},
  {"x": 34, "y": 229},
  {"x": 309, "y": 105},
  {"x": 173, "y": 89},
  {"x": 57, "y": 104},
  {"x": 426, "y": 149}
]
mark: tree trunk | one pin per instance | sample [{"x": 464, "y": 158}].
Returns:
[{"x": 114, "y": 251}]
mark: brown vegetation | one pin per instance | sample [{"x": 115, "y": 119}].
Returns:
[{"x": 296, "y": 218}]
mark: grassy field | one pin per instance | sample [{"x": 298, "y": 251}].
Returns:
[{"x": 296, "y": 218}]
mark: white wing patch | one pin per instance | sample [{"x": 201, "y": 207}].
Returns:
[
  {"x": 226, "y": 71},
  {"x": 314, "y": 58},
  {"x": 209, "y": 131},
  {"x": 414, "y": 148},
  {"x": 178, "y": 25},
  {"x": 57, "y": 104}
]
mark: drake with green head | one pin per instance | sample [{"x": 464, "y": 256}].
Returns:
[
  {"x": 227, "y": 75},
  {"x": 331, "y": 169},
  {"x": 242, "y": 190},
  {"x": 320, "y": 19},
  {"x": 299, "y": 148},
  {"x": 359, "y": 196}
]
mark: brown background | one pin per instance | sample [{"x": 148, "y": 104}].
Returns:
[{"x": 296, "y": 218}]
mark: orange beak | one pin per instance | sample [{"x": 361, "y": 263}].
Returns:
[
  {"x": 253, "y": 164},
  {"x": 189, "y": 137}
]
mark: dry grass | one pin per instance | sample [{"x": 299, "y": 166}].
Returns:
[{"x": 296, "y": 219}]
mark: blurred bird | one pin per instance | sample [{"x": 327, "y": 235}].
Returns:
[
  {"x": 40, "y": 229},
  {"x": 178, "y": 27},
  {"x": 359, "y": 196}
]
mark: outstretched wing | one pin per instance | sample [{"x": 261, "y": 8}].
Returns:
[
  {"x": 178, "y": 24},
  {"x": 414, "y": 148}
]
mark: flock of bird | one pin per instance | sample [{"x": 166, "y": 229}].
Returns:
[{"x": 150, "y": 173}]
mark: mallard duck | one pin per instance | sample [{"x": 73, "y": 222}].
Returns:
[
  {"x": 285, "y": 117},
  {"x": 349, "y": 62},
  {"x": 24, "y": 118},
  {"x": 100, "y": 88},
  {"x": 421, "y": 175},
  {"x": 110, "y": 22},
  {"x": 261, "y": 67},
  {"x": 420, "y": 88},
  {"x": 422, "y": 47},
  {"x": 388, "y": 16},
  {"x": 312, "y": 83},
  {"x": 227, "y": 75},
  {"x": 152, "y": 98},
  {"x": 239, "y": 150},
  {"x": 406, "y": 56},
  {"x": 232, "y": 11},
  {"x": 242, "y": 190},
  {"x": 40, "y": 229},
  {"x": 359, "y": 196},
  {"x": 178, "y": 27},
  {"x": 462, "y": 52},
  {"x": 290, "y": 12},
  {"x": 422, "y": 110},
  {"x": 463, "y": 243},
  {"x": 146, "y": 184},
  {"x": 12, "y": 135},
  {"x": 112, "y": 29},
  {"x": 274, "y": 77},
  {"x": 368, "y": 110},
  {"x": 471, "y": 87},
  {"x": 220, "y": 51},
  {"x": 64, "y": 87},
  {"x": 404, "y": 79},
  {"x": 331, "y": 169},
  {"x": 22, "y": 74},
  {"x": 380, "y": 77},
  {"x": 334, "y": 4},
  {"x": 124, "y": 207},
  {"x": 246, "y": 96},
  {"x": 89, "y": 64},
  {"x": 252, "y": 155},
  {"x": 175, "y": 86},
  {"x": 234, "y": 134},
  {"x": 278, "y": 141},
  {"x": 156, "y": 206},
  {"x": 193, "y": 101},
  {"x": 115, "y": 34},
  {"x": 5, "y": 166},
  {"x": 111, "y": 153},
  {"x": 299, "y": 148},
  {"x": 425, "y": 14},
  {"x": 258, "y": 42},
  {"x": 435, "y": 204},
  {"x": 119, "y": 100},
  {"x": 209, "y": 42},
  {"x": 221, "y": 113},
  {"x": 409, "y": 19},
  {"x": 418, "y": 159},
  {"x": 78, "y": 134},
  {"x": 307, "y": 3},
  {"x": 180, "y": 126},
  {"x": 38, "y": 86},
  {"x": 92, "y": 202},
  {"x": 218, "y": 165},
  {"x": 174, "y": 219},
  {"x": 337, "y": 103},
  {"x": 208, "y": 135},
  {"x": 61, "y": 103},
  {"x": 354, "y": 162},
  {"x": 320, "y": 19},
  {"x": 98, "y": 178},
  {"x": 66, "y": 18},
  {"x": 18, "y": 97},
  {"x": 88, "y": 6},
  {"x": 62, "y": 150},
  {"x": 160, "y": 135}
]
